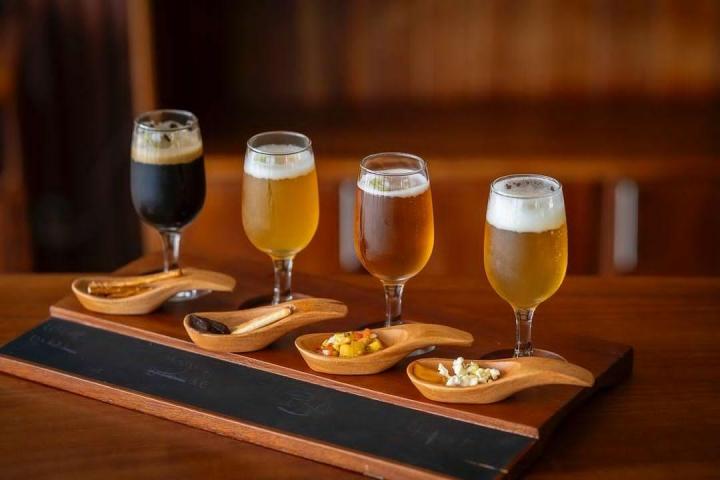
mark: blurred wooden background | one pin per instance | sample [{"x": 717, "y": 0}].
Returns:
[{"x": 619, "y": 100}]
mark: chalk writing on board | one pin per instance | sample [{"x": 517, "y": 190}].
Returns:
[
  {"x": 301, "y": 403},
  {"x": 177, "y": 377},
  {"x": 486, "y": 465},
  {"x": 186, "y": 370},
  {"x": 52, "y": 343},
  {"x": 169, "y": 375},
  {"x": 58, "y": 329},
  {"x": 431, "y": 438}
]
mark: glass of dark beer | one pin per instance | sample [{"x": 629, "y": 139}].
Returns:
[{"x": 167, "y": 177}]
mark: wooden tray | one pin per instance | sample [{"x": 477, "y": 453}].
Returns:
[{"x": 378, "y": 425}]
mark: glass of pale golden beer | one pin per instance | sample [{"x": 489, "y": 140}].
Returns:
[
  {"x": 526, "y": 248},
  {"x": 393, "y": 222},
  {"x": 280, "y": 207}
]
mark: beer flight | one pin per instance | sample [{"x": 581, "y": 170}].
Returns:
[{"x": 525, "y": 247}]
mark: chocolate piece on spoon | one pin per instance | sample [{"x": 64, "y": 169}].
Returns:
[
  {"x": 256, "y": 328},
  {"x": 206, "y": 325}
]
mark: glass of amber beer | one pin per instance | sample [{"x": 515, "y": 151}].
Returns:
[
  {"x": 280, "y": 207},
  {"x": 393, "y": 222},
  {"x": 526, "y": 248},
  {"x": 167, "y": 178}
]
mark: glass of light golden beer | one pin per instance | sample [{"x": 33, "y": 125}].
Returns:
[
  {"x": 280, "y": 208},
  {"x": 526, "y": 248},
  {"x": 393, "y": 222}
]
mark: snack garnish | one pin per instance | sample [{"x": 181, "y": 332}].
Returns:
[
  {"x": 467, "y": 374},
  {"x": 351, "y": 344}
]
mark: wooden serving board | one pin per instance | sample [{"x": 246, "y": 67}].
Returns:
[{"x": 378, "y": 424}]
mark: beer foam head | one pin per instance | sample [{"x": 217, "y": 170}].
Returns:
[
  {"x": 526, "y": 204},
  {"x": 396, "y": 182},
  {"x": 166, "y": 147},
  {"x": 276, "y": 162}
]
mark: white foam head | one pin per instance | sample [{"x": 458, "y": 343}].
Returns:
[
  {"x": 277, "y": 162},
  {"x": 526, "y": 204},
  {"x": 166, "y": 147},
  {"x": 396, "y": 182}
]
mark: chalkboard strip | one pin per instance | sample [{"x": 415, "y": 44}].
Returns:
[
  {"x": 260, "y": 407},
  {"x": 240, "y": 359}
]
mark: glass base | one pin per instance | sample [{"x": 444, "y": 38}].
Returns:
[
  {"x": 510, "y": 353},
  {"x": 421, "y": 351},
  {"x": 187, "y": 295}
]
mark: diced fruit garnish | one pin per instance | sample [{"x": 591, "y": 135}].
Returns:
[
  {"x": 358, "y": 348},
  {"x": 351, "y": 344},
  {"x": 374, "y": 346}
]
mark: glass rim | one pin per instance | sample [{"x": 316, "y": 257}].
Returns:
[
  {"x": 420, "y": 160},
  {"x": 526, "y": 175},
  {"x": 280, "y": 132},
  {"x": 191, "y": 116}
]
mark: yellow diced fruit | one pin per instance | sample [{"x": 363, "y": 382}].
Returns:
[
  {"x": 374, "y": 346},
  {"x": 358, "y": 348},
  {"x": 346, "y": 350}
]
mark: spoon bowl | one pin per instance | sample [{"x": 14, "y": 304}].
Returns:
[
  {"x": 155, "y": 294},
  {"x": 516, "y": 374},
  {"x": 288, "y": 316},
  {"x": 398, "y": 342}
]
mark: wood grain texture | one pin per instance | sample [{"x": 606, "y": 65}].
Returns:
[
  {"x": 531, "y": 413},
  {"x": 430, "y": 50},
  {"x": 669, "y": 321}
]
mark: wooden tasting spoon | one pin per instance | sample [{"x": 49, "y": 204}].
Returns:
[
  {"x": 515, "y": 374},
  {"x": 256, "y": 328},
  {"x": 147, "y": 292},
  {"x": 398, "y": 340}
]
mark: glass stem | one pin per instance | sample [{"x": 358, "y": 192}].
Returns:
[
  {"x": 283, "y": 280},
  {"x": 171, "y": 249},
  {"x": 523, "y": 332},
  {"x": 393, "y": 303}
]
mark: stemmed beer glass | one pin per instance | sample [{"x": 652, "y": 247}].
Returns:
[
  {"x": 280, "y": 206},
  {"x": 526, "y": 249},
  {"x": 167, "y": 178},
  {"x": 394, "y": 231}
]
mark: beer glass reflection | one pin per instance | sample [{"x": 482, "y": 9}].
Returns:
[
  {"x": 393, "y": 222},
  {"x": 525, "y": 252},
  {"x": 280, "y": 206}
]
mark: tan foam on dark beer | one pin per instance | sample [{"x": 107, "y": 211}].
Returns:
[{"x": 172, "y": 155}]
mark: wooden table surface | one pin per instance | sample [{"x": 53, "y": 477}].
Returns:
[{"x": 662, "y": 423}]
